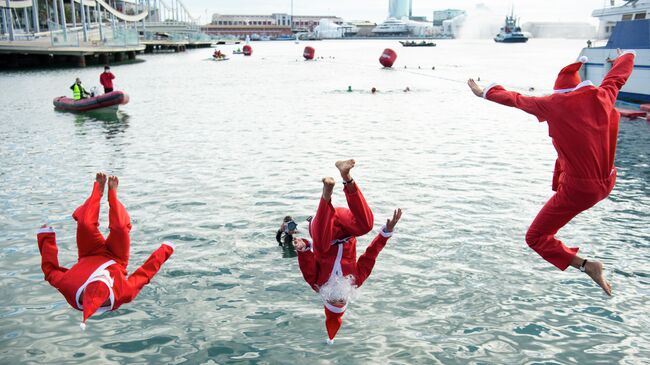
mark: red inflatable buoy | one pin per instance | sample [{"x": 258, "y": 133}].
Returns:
[
  {"x": 248, "y": 50},
  {"x": 309, "y": 53},
  {"x": 388, "y": 58}
]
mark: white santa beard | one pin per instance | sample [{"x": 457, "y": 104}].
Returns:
[{"x": 339, "y": 288}]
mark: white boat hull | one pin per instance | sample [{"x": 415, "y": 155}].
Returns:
[{"x": 637, "y": 88}]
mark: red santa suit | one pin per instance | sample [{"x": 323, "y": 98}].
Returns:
[
  {"x": 100, "y": 260},
  {"x": 334, "y": 248},
  {"x": 583, "y": 124}
]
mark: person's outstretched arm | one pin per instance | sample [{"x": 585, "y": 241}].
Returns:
[
  {"x": 143, "y": 275},
  {"x": 306, "y": 261},
  {"x": 49, "y": 255},
  {"x": 367, "y": 261},
  {"x": 498, "y": 94},
  {"x": 618, "y": 74}
]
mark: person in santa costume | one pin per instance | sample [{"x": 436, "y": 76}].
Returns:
[
  {"x": 98, "y": 282},
  {"x": 329, "y": 264},
  {"x": 583, "y": 124}
]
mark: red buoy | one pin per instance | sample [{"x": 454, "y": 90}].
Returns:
[
  {"x": 248, "y": 50},
  {"x": 309, "y": 53},
  {"x": 388, "y": 58}
]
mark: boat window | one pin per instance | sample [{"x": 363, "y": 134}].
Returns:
[
  {"x": 639, "y": 16},
  {"x": 627, "y": 17}
]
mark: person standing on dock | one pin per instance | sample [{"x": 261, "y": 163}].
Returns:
[
  {"x": 106, "y": 79},
  {"x": 583, "y": 123},
  {"x": 78, "y": 91},
  {"x": 98, "y": 282},
  {"x": 330, "y": 265}
]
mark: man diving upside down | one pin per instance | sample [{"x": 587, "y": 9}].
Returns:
[
  {"x": 98, "y": 282},
  {"x": 583, "y": 124},
  {"x": 330, "y": 264}
]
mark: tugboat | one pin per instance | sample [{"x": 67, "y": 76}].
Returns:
[{"x": 511, "y": 32}]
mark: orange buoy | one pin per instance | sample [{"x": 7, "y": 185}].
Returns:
[
  {"x": 309, "y": 53},
  {"x": 388, "y": 58},
  {"x": 247, "y": 50}
]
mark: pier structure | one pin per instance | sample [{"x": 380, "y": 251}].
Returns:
[{"x": 78, "y": 32}]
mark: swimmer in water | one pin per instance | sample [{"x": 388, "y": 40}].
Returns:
[{"x": 288, "y": 228}]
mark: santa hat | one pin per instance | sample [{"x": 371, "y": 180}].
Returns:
[
  {"x": 568, "y": 79},
  {"x": 95, "y": 294},
  {"x": 333, "y": 320}
]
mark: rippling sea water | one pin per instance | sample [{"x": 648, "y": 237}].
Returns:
[{"x": 211, "y": 156}]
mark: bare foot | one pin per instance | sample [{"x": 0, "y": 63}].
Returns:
[
  {"x": 101, "y": 180},
  {"x": 113, "y": 181},
  {"x": 595, "y": 271},
  {"x": 328, "y": 187},
  {"x": 344, "y": 167}
]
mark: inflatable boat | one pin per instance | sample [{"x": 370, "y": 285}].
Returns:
[{"x": 108, "y": 101}]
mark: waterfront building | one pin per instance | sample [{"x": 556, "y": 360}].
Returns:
[
  {"x": 399, "y": 9},
  {"x": 273, "y": 25}
]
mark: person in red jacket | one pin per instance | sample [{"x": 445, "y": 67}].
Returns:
[
  {"x": 106, "y": 79},
  {"x": 583, "y": 124},
  {"x": 98, "y": 282},
  {"x": 330, "y": 264}
]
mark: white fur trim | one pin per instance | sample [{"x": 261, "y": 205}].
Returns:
[
  {"x": 82, "y": 326},
  {"x": 45, "y": 230},
  {"x": 580, "y": 85},
  {"x": 383, "y": 233},
  {"x": 330, "y": 342},
  {"x": 583, "y": 59},
  {"x": 170, "y": 245},
  {"x": 97, "y": 275},
  {"x": 487, "y": 89},
  {"x": 629, "y": 51},
  {"x": 335, "y": 309}
]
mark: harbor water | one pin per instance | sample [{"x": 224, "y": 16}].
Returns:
[{"x": 212, "y": 155}]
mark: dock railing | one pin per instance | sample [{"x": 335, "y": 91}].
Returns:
[
  {"x": 62, "y": 37},
  {"x": 123, "y": 37}
]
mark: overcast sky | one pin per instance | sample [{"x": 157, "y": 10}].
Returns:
[{"x": 377, "y": 10}]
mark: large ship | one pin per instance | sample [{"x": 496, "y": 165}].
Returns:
[
  {"x": 627, "y": 27},
  {"x": 511, "y": 32},
  {"x": 391, "y": 26}
]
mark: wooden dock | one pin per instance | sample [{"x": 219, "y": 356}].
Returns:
[{"x": 19, "y": 54}]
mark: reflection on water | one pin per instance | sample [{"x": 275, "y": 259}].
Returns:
[
  {"x": 114, "y": 123},
  {"x": 288, "y": 251}
]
